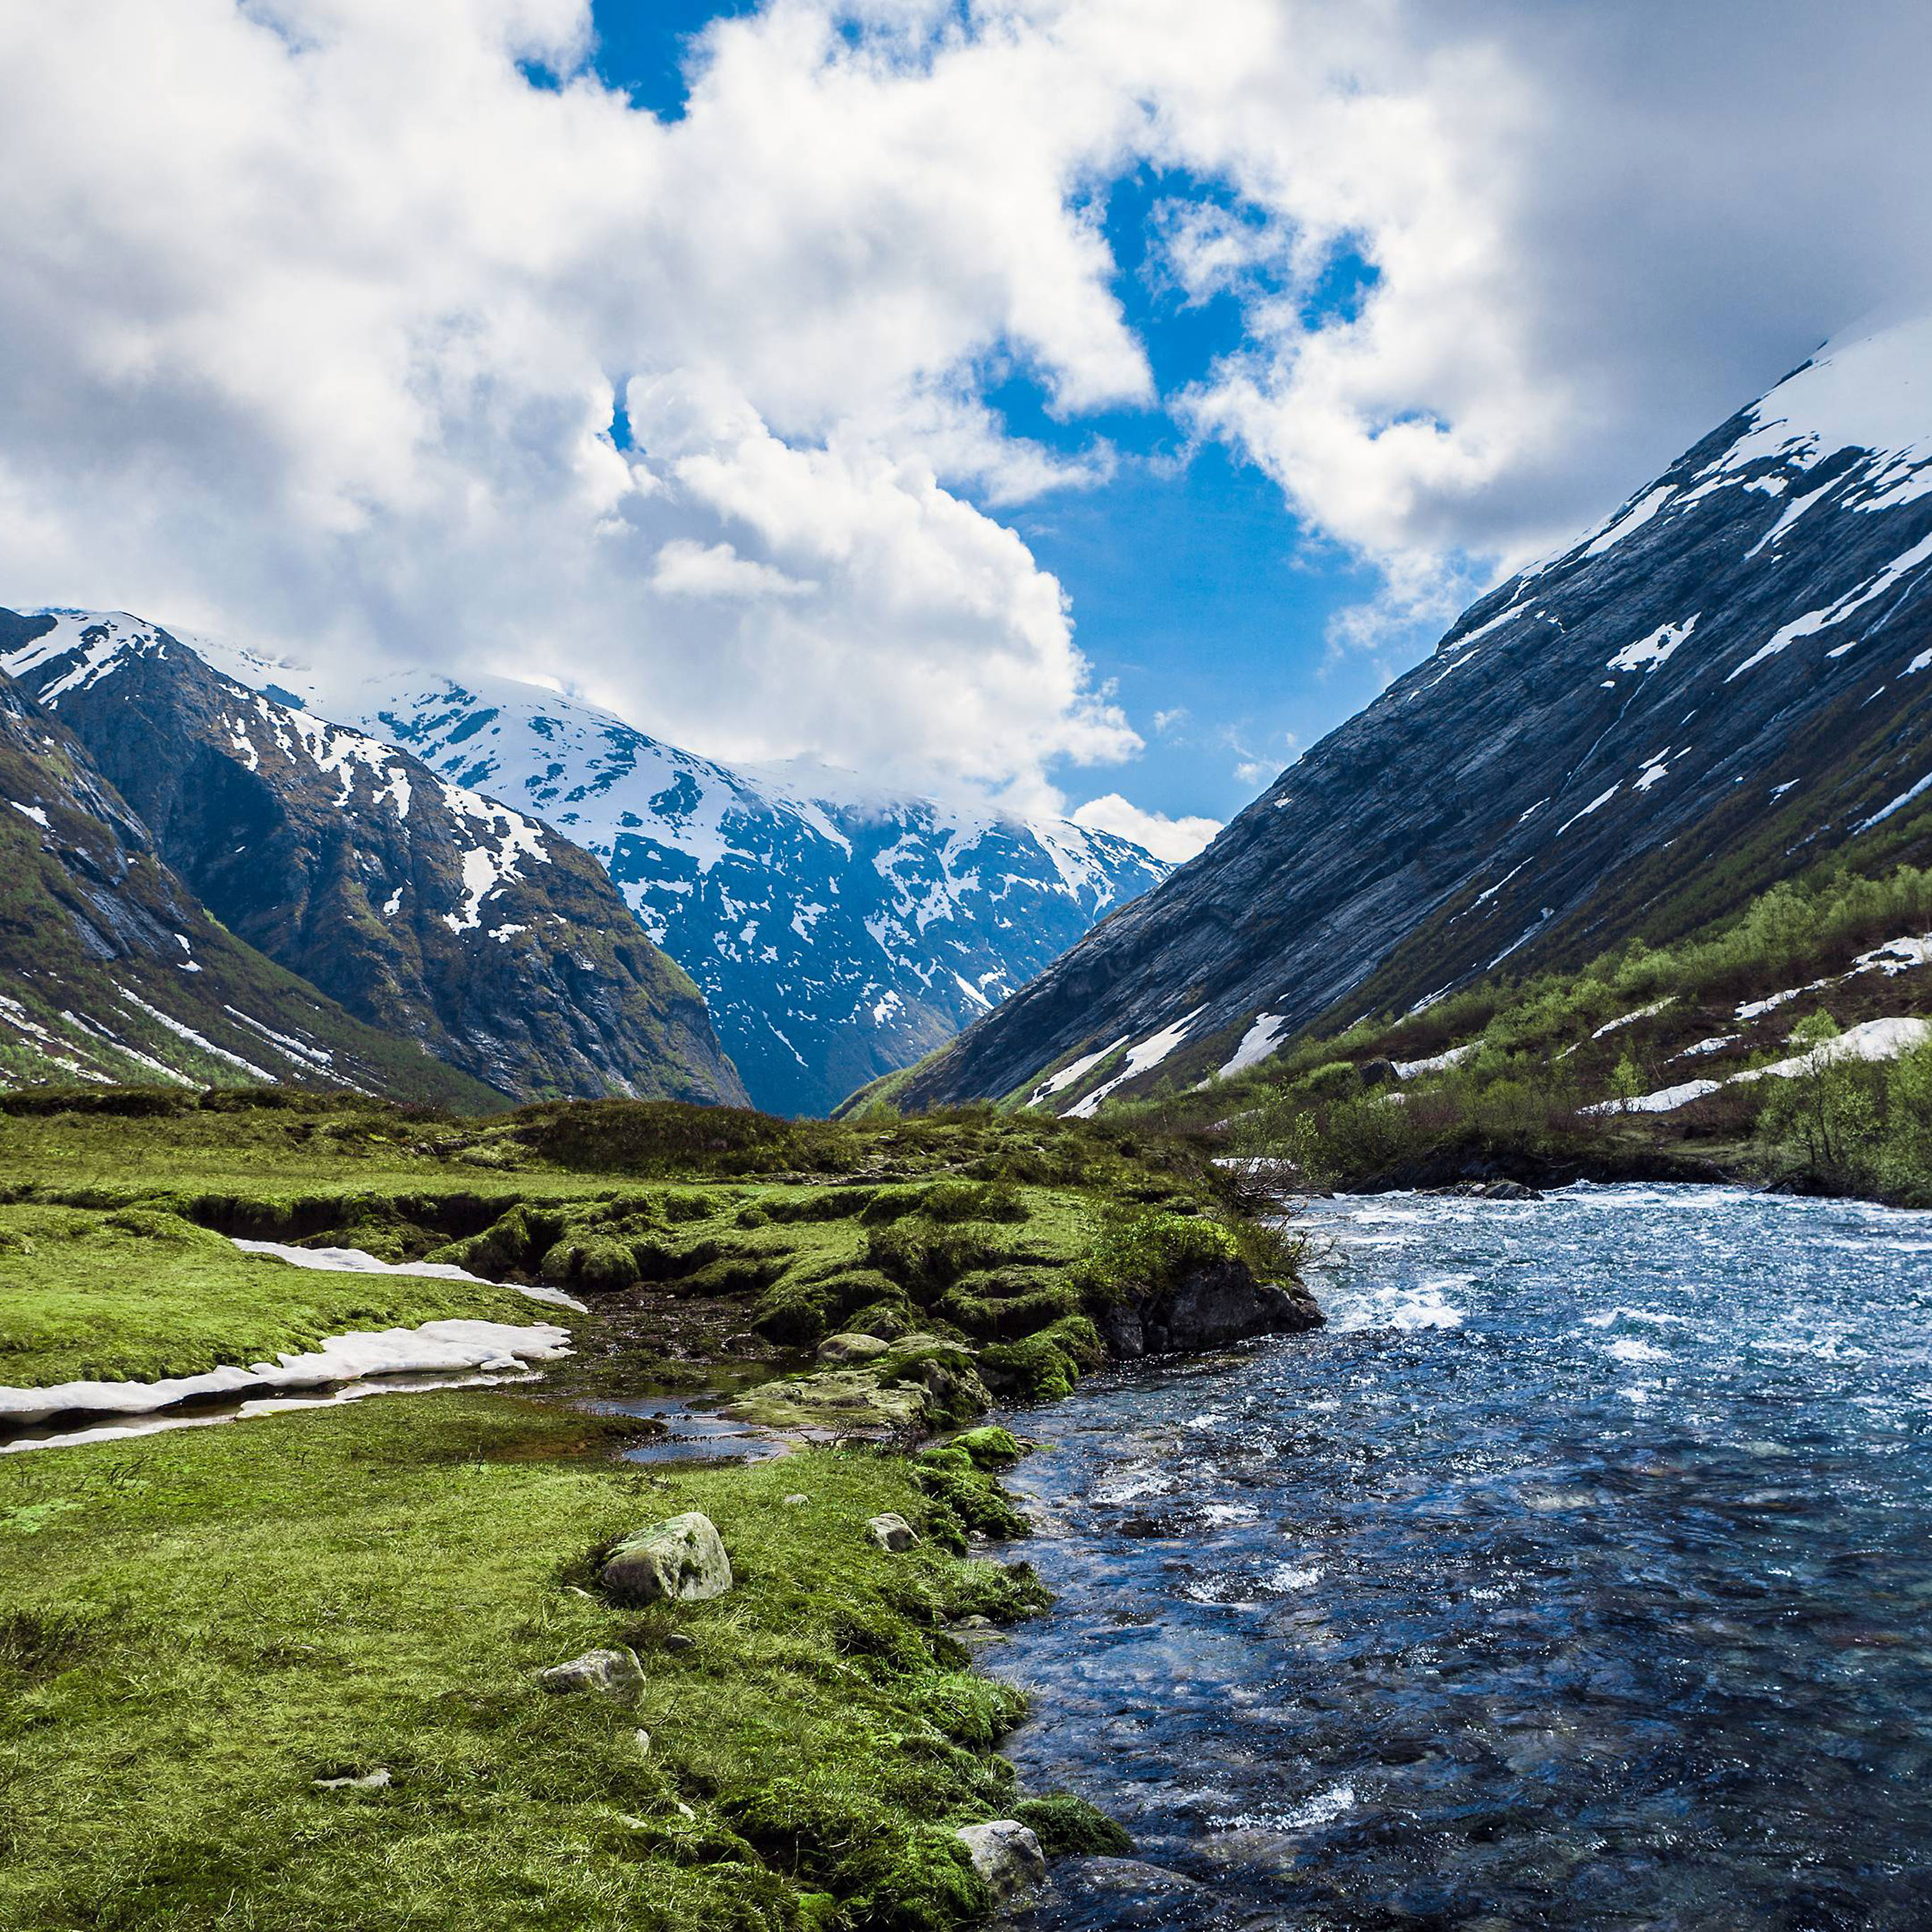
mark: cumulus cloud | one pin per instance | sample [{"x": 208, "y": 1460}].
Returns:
[
  {"x": 319, "y": 315},
  {"x": 1173, "y": 839}
]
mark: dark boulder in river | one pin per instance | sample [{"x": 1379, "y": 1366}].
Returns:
[{"x": 1207, "y": 1309}]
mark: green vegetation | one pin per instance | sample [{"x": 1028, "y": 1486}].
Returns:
[
  {"x": 199, "y": 1626},
  {"x": 140, "y": 1294},
  {"x": 204, "y": 1632},
  {"x": 1530, "y": 1058}
]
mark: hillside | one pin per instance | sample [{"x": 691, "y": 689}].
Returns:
[
  {"x": 1724, "y": 685},
  {"x": 425, "y": 909},
  {"x": 839, "y": 931},
  {"x": 114, "y": 971}
]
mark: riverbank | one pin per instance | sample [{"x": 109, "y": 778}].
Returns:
[
  {"x": 1574, "y": 1577},
  {"x": 289, "y": 1666}
]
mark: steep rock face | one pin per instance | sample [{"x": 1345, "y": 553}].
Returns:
[
  {"x": 424, "y": 908},
  {"x": 837, "y": 934},
  {"x": 1730, "y": 679},
  {"x": 111, "y": 971}
]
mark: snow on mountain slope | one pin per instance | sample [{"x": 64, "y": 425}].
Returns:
[
  {"x": 112, "y": 972},
  {"x": 427, "y": 910},
  {"x": 1729, "y": 681},
  {"x": 839, "y": 931}
]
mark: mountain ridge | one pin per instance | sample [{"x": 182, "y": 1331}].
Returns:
[
  {"x": 426, "y": 910},
  {"x": 840, "y": 930},
  {"x": 1724, "y": 681}
]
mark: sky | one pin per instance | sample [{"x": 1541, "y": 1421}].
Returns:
[{"x": 1084, "y": 404}]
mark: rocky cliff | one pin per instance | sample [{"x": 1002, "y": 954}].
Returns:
[
  {"x": 1730, "y": 680},
  {"x": 113, "y": 972}
]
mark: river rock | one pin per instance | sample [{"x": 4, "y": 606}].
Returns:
[
  {"x": 1207, "y": 1310},
  {"x": 1138, "y": 1895},
  {"x": 1007, "y": 1855},
  {"x": 852, "y": 1348},
  {"x": 892, "y": 1532},
  {"x": 616, "y": 1674},
  {"x": 681, "y": 1560}
]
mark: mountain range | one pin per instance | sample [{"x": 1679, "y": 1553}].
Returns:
[
  {"x": 1728, "y": 681},
  {"x": 444, "y": 921},
  {"x": 529, "y": 890},
  {"x": 839, "y": 931}
]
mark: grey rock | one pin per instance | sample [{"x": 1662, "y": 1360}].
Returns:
[
  {"x": 892, "y": 1532},
  {"x": 680, "y": 1560},
  {"x": 1207, "y": 1310},
  {"x": 615, "y": 1674},
  {"x": 378, "y": 1780},
  {"x": 852, "y": 1348},
  {"x": 798, "y": 1499},
  {"x": 1007, "y": 1856}
]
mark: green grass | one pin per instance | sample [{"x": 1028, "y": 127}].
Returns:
[
  {"x": 137, "y": 1294},
  {"x": 197, "y": 1626}
]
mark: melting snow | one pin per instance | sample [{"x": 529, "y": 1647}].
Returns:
[
  {"x": 1149, "y": 1053},
  {"x": 436, "y": 1345},
  {"x": 1647, "y": 653},
  {"x": 1257, "y": 1043}
]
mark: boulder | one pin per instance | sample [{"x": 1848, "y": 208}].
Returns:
[
  {"x": 1208, "y": 1309},
  {"x": 892, "y": 1532},
  {"x": 852, "y": 1348},
  {"x": 616, "y": 1674},
  {"x": 1007, "y": 1856},
  {"x": 680, "y": 1560}
]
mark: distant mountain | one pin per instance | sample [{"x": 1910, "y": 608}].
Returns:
[
  {"x": 838, "y": 933},
  {"x": 1730, "y": 680},
  {"x": 428, "y": 910},
  {"x": 112, "y": 971}
]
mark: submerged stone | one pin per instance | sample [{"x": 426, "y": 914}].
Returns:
[{"x": 681, "y": 1560}]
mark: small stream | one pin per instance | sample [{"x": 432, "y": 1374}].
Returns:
[{"x": 1578, "y": 1575}]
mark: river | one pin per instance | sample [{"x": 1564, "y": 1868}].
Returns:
[{"x": 1579, "y": 1574}]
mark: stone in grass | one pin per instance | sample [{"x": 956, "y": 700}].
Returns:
[
  {"x": 616, "y": 1674},
  {"x": 378, "y": 1780},
  {"x": 679, "y": 1560},
  {"x": 798, "y": 1499},
  {"x": 1007, "y": 1856},
  {"x": 892, "y": 1532}
]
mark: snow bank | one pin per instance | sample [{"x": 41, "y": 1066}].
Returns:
[
  {"x": 436, "y": 1346},
  {"x": 356, "y": 1261},
  {"x": 1873, "y": 1039}
]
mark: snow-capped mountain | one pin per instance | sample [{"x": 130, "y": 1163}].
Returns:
[
  {"x": 1729, "y": 681},
  {"x": 113, "y": 972},
  {"x": 839, "y": 932},
  {"x": 427, "y": 910}
]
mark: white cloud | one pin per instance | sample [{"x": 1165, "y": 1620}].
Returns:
[
  {"x": 316, "y": 313},
  {"x": 1173, "y": 839},
  {"x": 688, "y": 569}
]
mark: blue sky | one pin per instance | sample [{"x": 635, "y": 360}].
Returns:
[{"x": 1196, "y": 591}]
